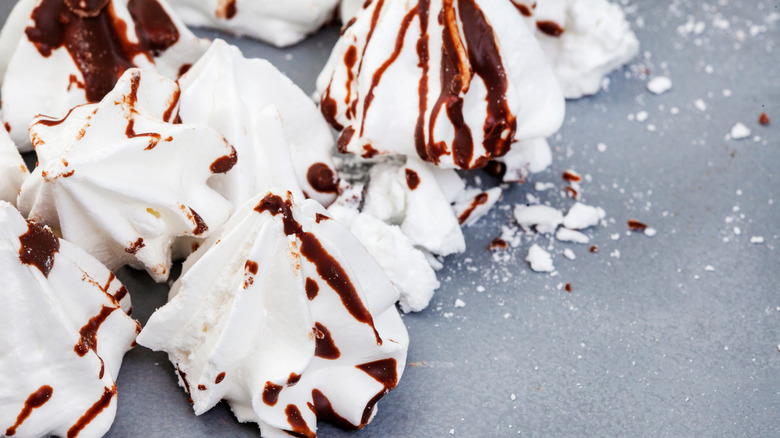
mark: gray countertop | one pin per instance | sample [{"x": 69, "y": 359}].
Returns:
[{"x": 675, "y": 335}]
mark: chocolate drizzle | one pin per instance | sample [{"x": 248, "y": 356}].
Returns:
[
  {"x": 34, "y": 401},
  {"x": 220, "y": 378},
  {"x": 271, "y": 393},
  {"x": 298, "y": 424},
  {"x": 523, "y": 9},
  {"x": 322, "y": 178},
  {"x": 549, "y": 28},
  {"x": 135, "y": 246},
  {"x": 412, "y": 179},
  {"x": 93, "y": 411},
  {"x": 183, "y": 376},
  {"x": 480, "y": 199},
  {"x": 312, "y": 289},
  {"x": 325, "y": 347},
  {"x": 384, "y": 372},
  {"x": 200, "y": 224},
  {"x": 325, "y": 412},
  {"x": 88, "y": 333},
  {"x": 39, "y": 245},
  {"x": 97, "y": 39},
  {"x": 224, "y": 163}
]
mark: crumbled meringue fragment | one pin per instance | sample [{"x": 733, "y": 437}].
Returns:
[
  {"x": 281, "y": 23},
  {"x": 472, "y": 204},
  {"x": 281, "y": 137},
  {"x": 65, "y": 331},
  {"x": 122, "y": 181},
  {"x": 13, "y": 171},
  {"x": 57, "y": 54},
  {"x": 452, "y": 83},
  {"x": 284, "y": 315},
  {"x": 584, "y": 40}
]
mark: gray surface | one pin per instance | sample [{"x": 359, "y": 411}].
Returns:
[{"x": 650, "y": 344}]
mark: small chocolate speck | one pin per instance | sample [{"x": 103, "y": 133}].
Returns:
[
  {"x": 635, "y": 225},
  {"x": 763, "y": 119},
  {"x": 135, "y": 246},
  {"x": 550, "y": 28},
  {"x": 220, "y": 378},
  {"x": 497, "y": 244},
  {"x": 568, "y": 287},
  {"x": 571, "y": 176},
  {"x": 224, "y": 163},
  {"x": 594, "y": 249},
  {"x": 412, "y": 179}
]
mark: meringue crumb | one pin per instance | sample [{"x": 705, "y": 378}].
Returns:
[
  {"x": 740, "y": 131},
  {"x": 659, "y": 85},
  {"x": 756, "y": 240},
  {"x": 459, "y": 303}
]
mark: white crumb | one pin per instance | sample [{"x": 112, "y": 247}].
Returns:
[
  {"x": 659, "y": 85},
  {"x": 641, "y": 116},
  {"x": 539, "y": 259},
  {"x": 541, "y": 217},
  {"x": 583, "y": 216},
  {"x": 569, "y": 254},
  {"x": 700, "y": 105},
  {"x": 460, "y": 303},
  {"x": 601, "y": 147},
  {"x": 757, "y": 240},
  {"x": 709, "y": 268},
  {"x": 740, "y": 131},
  {"x": 567, "y": 235},
  {"x": 650, "y": 232}
]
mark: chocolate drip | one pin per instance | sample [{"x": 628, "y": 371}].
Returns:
[
  {"x": 224, "y": 163},
  {"x": 226, "y": 9},
  {"x": 344, "y": 138},
  {"x": 312, "y": 289},
  {"x": 524, "y": 10},
  {"x": 325, "y": 347},
  {"x": 174, "y": 99},
  {"x": 120, "y": 293},
  {"x": 39, "y": 245},
  {"x": 331, "y": 271},
  {"x": 329, "y": 108},
  {"x": 322, "y": 178},
  {"x": 34, "y": 401},
  {"x": 412, "y": 179},
  {"x": 202, "y": 387},
  {"x": 183, "y": 376},
  {"x": 200, "y": 224},
  {"x": 384, "y": 372},
  {"x": 298, "y": 424},
  {"x": 275, "y": 205},
  {"x": 478, "y": 200},
  {"x": 88, "y": 333},
  {"x": 325, "y": 412},
  {"x": 154, "y": 137},
  {"x": 319, "y": 217},
  {"x": 293, "y": 379},
  {"x": 251, "y": 266},
  {"x": 96, "y": 38},
  {"x": 550, "y": 28},
  {"x": 92, "y": 412},
  {"x": 423, "y": 54},
  {"x": 219, "y": 379},
  {"x": 271, "y": 393},
  {"x": 349, "y": 61},
  {"x": 135, "y": 246}
]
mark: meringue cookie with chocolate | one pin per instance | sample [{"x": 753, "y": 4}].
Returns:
[
  {"x": 281, "y": 137},
  {"x": 65, "y": 330},
  {"x": 452, "y": 83},
  {"x": 123, "y": 181},
  {"x": 13, "y": 171},
  {"x": 285, "y": 316},
  {"x": 281, "y": 23},
  {"x": 56, "y": 54},
  {"x": 584, "y": 40}
]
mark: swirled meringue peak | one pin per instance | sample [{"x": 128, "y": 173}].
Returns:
[
  {"x": 65, "y": 331},
  {"x": 281, "y": 23},
  {"x": 122, "y": 181},
  {"x": 13, "y": 171},
  {"x": 281, "y": 137},
  {"x": 285, "y": 316},
  {"x": 56, "y": 54},
  {"x": 453, "y": 82}
]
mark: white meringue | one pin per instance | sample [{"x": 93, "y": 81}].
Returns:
[
  {"x": 57, "y": 54},
  {"x": 284, "y": 315},
  {"x": 348, "y": 9},
  {"x": 281, "y": 23},
  {"x": 584, "y": 40},
  {"x": 13, "y": 171},
  {"x": 456, "y": 91},
  {"x": 65, "y": 331},
  {"x": 281, "y": 137},
  {"x": 122, "y": 181}
]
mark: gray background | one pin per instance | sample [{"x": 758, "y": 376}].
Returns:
[{"x": 647, "y": 344}]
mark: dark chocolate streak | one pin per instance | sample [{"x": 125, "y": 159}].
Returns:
[
  {"x": 97, "y": 39},
  {"x": 325, "y": 411},
  {"x": 322, "y": 178},
  {"x": 412, "y": 179},
  {"x": 312, "y": 289},
  {"x": 92, "y": 412},
  {"x": 39, "y": 245},
  {"x": 224, "y": 163},
  {"x": 34, "y": 401},
  {"x": 384, "y": 372},
  {"x": 550, "y": 28},
  {"x": 476, "y": 202},
  {"x": 298, "y": 424},
  {"x": 271, "y": 393},
  {"x": 325, "y": 347}
]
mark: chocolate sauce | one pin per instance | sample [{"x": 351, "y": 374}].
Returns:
[
  {"x": 524, "y": 10},
  {"x": 183, "y": 376},
  {"x": 88, "y": 333},
  {"x": 635, "y": 225},
  {"x": 322, "y": 178},
  {"x": 293, "y": 379},
  {"x": 298, "y": 424},
  {"x": 154, "y": 137},
  {"x": 96, "y": 38},
  {"x": 344, "y": 138},
  {"x": 550, "y": 28},
  {"x": 312, "y": 289},
  {"x": 384, "y": 372},
  {"x": 568, "y": 287},
  {"x": 34, "y": 401},
  {"x": 423, "y": 55},
  {"x": 275, "y": 205},
  {"x": 325, "y": 412},
  {"x": 120, "y": 293},
  {"x": 571, "y": 177},
  {"x": 224, "y": 163},
  {"x": 8, "y": 127},
  {"x": 496, "y": 169},
  {"x": 200, "y": 225},
  {"x": 329, "y": 108},
  {"x": 763, "y": 119},
  {"x": 172, "y": 105},
  {"x": 349, "y": 61},
  {"x": 498, "y": 243},
  {"x": 331, "y": 271},
  {"x": 92, "y": 412},
  {"x": 135, "y": 246},
  {"x": 251, "y": 266},
  {"x": 39, "y": 246},
  {"x": 478, "y": 200},
  {"x": 325, "y": 347},
  {"x": 220, "y": 378},
  {"x": 226, "y": 9},
  {"x": 412, "y": 179},
  {"x": 271, "y": 393},
  {"x": 594, "y": 249},
  {"x": 319, "y": 217},
  {"x": 202, "y": 387}
]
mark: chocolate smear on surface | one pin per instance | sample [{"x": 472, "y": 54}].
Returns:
[
  {"x": 298, "y": 424},
  {"x": 322, "y": 178},
  {"x": 224, "y": 163},
  {"x": 92, "y": 412},
  {"x": 325, "y": 412},
  {"x": 39, "y": 246},
  {"x": 412, "y": 179},
  {"x": 271, "y": 393},
  {"x": 135, "y": 246},
  {"x": 200, "y": 224},
  {"x": 325, "y": 347},
  {"x": 34, "y": 401},
  {"x": 312, "y": 289},
  {"x": 384, "y": 372}
]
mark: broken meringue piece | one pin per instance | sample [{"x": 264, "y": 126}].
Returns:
[
  {"x": 285, "y": 316},
  {"x": 584, "y": 40},
  {"x": 65, "y": 331},
  {"x": 454, "y": 83},
  {"x": 13, "y": 171},
  {"x": 57, "y": 54},
  {"x": 122, "y": 181},
  {"x": 281, "y": 23},
  {"x": 281, "y": 137}
]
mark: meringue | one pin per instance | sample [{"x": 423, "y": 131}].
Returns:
[
  {"x": 455, "y": 89},
  {"x": 281, "y": 23},
  {"x": 584, "y": 40},
  {"x": 65, "y": 331},
  {"x": 284, "y": 315},
  {"x": 276, "y": 129},
  {"x": 57, "y": 54},
  {"x": 122, "y": 181},
  {"x": 13, "y": 171}
]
